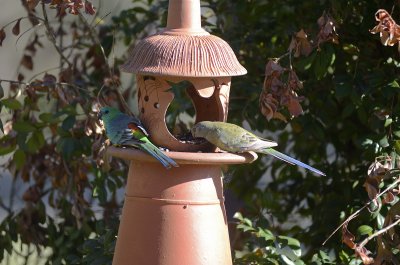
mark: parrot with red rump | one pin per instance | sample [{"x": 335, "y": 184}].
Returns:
[{"x": 125, "y": 130}]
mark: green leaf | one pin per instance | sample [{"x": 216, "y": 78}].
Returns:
[
  {"x": 6, "y": 146},
  {"x": 12, "y": 103},
  {"x": 286, "y": 260},
  {"x": 36, "y": 142},
  {"x": 380, "y": 219},
  {"x": 388, "y": 122},
  {"x": 48, "y": 117},
  {"x": 19, "y": 158},
  {"x": 67, "y": 146},
  {"x": 266, "y": 234},
  {"x": 397, "y": 146},
  {"x": 68, "y": 123},
  {"x": 384, "y": 142},
  {"x": 323, "y": 59},
  {"x": 23, "y": 127},
  {"x": 364, "y": 230}
]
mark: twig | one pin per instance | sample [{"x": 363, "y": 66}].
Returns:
[
  {"x": 52, "y": 37},
  {"x": 96, "y": 40},
  {"x": 282, "y": 56},
  {"x": 9, "y": 23},
  {"x": 56, "y": 83},
  {"x": 377, "y": 233},
  {"x": 391, "y": 186}
]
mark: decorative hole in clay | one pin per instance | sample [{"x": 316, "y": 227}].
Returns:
[{"x": 181, "y": 113}]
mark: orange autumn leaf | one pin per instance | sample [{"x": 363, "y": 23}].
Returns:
[{"x": 387, "y": 28}]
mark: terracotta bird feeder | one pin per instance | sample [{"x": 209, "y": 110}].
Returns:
[{"x": 177, "y": 216}]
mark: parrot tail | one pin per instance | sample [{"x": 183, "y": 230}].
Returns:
[
  {"x": 158, "y": 154},
  {"x": 290, "y": 160}
]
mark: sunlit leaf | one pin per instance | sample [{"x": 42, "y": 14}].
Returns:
[{"x": 364, "y": 230}]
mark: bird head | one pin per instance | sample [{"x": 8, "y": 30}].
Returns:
[
  {"x": 201, "y": 129},
  {"x": 107, "y": 113}
]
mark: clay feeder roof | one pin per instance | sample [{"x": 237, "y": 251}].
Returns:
[{"x": 183, "y": 48}]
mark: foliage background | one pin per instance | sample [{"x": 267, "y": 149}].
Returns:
[{"x": 350, "y": 99}]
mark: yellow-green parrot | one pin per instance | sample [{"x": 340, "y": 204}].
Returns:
[
  {"x": 232, "y": 138},
  {"x": 126, "y": 130}
]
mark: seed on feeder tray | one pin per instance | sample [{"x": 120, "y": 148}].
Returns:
[
  {"x": 142, "y": 110},
  {"x": 146, "y": 98},
  {"x": 157, "y": 105}
]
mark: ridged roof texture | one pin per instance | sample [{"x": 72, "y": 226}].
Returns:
[{"x": 183, "y": 48}]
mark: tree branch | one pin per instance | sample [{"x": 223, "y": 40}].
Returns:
[
  {"x": 52, "y": 38},
  {"x": 379, "y": 232},
  {"x": 391, "y": 186}
]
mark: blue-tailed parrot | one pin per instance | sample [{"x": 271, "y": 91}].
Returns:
[{"x": 125, "y": 130}]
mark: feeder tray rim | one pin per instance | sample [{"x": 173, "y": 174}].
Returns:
[{"x": 185, "y": 158}]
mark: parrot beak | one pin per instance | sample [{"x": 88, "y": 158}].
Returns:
[{"x": 99, "y": 114}]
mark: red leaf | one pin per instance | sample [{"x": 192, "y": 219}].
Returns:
[
  {"x": 388, "y": 197},
  {"x": 89, "y": 9},
  {"x": 2, "y": 36},
  {"x": 16, "y": 28}
]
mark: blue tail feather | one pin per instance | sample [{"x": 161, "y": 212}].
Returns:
[
  {"x": 157, "y": 154},
  {"x": 290, "y": 160}
]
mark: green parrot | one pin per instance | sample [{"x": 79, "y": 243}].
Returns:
[
  {"x": 232, "y": 138},
  {"x": 126, "y": 130}
]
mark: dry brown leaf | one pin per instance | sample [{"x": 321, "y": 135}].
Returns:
[
  {"x": 16, "y": 28},
  {"x": 347, "y": 237},
  {"x": 327, "y": 29},
  {"x": 27, "y": 62},
  {"x": 388, "y": 197},
  {"x": 294, "y": 81},
  {"x": 49, "y": 80},
  {"x": 273, "y": 67},
  {"x": 363, "y": 253},
  {"x": 2, "y": 36},
  {"x": 389, "y": 31},
  {"x": 378, "y": 170},
  {"x": 89, "y": 9},
  {"x": 280, "y": 116},
  {"x": 300, "y": 44},
  {"x": 32, "y": 4},
  {"x": 268, "y": 104},
  {"x": 372, "y": 187},
  {"x": 294, "y": 107}
]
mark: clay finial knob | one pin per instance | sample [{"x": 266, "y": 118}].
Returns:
[{"x": 184, "y": 14}]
